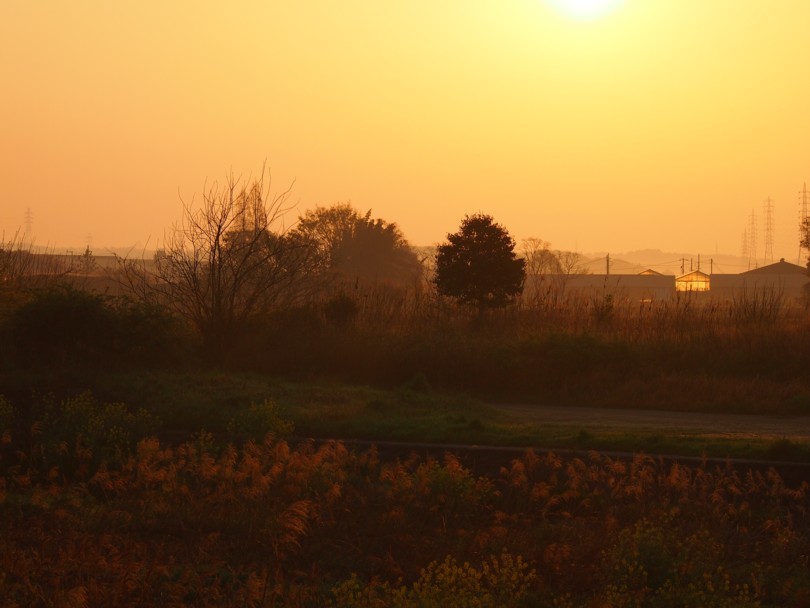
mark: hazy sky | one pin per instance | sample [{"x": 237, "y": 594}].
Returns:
[{"x": 660, "y": 124}]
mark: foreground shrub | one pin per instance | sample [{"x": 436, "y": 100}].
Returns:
[
  {"x": 83, "y": 430},
  {"x": 6, "y": 415},
  {"x": 260, "y": 420},
  {"x": 67, "y": 328},
  {"x": 63, "y": 326},
  {"x": 502, "y": 581},
  {"x": 267, "y": 524},
  {"x": 649, "y": 565}
]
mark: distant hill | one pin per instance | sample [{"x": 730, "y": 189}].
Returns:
[
  {"x": 665, "y": 262},
  {"x": 632, "y": 262}
]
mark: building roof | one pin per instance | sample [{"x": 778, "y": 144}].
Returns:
[
  {"x": 695, "y": 275},
  {"x": 780, "y": 267}
]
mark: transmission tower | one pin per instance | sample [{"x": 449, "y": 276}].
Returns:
[
  {"x": 752, "y": 239},
  {"x": 768, "y": 212},
  {"x": 804, "y": 199},
  {"x": 29, "y": 224},
  {"x": 744, "y": 248}
]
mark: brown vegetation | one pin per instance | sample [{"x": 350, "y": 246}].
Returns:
[
  {"x": 268, "y": 524},
  {"x": 96, "y": 512}
]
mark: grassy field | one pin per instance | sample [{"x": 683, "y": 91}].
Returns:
[
  {"x": 96, "y": 512},
  {"x": 218, "y": 402},
  {"x": 112, "y": 494}
]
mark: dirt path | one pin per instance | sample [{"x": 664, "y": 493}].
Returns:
[{"x": 720, "y": 425}]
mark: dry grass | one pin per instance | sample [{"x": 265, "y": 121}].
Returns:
[{"x": 266, "y": 524}]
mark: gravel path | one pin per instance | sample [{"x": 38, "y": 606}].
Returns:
[{"x": 725, "y": 425}]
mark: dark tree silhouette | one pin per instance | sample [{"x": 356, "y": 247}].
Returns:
[
  {"x": 478, "y": 264},
  {"x": 354, "y": 247}
]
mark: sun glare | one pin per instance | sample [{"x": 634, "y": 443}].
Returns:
[{"x": 585, "y": 9}]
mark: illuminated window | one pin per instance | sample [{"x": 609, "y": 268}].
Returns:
[{"x": 693, "y": 281}]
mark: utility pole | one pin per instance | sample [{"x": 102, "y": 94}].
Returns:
[{"x": 607, "y": 264}]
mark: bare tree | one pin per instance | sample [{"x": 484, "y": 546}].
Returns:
[
  {"x": 542, "y": 266},
  {"x": 227, "y": 263},
  {"x": 540, "y": 260},
  {"x": 571, "y": 262}
]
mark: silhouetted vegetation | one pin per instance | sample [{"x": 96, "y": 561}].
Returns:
[
  {"x": 351, "y": 248},
  {"x": 226, "y": 265},
  {"x": 63, "y": 328},
  {"x": 478, "y": 265},
  {"x": 98, "y": 511},
  {"x": 256, "y": 300}
]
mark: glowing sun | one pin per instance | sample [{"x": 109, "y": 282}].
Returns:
[{"x": 585, "y": 9}]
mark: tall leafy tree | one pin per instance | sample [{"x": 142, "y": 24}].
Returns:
[
  {"x": 478, "y": 265},
  {"x": 356, "y": 247}
]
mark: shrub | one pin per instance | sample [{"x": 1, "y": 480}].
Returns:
[
  {"x": 341, "y": 310},
  {"x": 81, "y": 428},
  {"x": 259, "y": 420},
  {"x": 70, "y": 328},
  {"x": 6, "y": 422},
  {"x": 148, "y": 336},
  {"x": 500, "y": 582},
  {"x": 63, "y": 326},
  {"x": 651, "y": 566},
  {"x": 6, "y": 414}
]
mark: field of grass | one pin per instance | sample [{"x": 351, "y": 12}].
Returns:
[
  {"x": 132, "y": 472},
  {"x": 155, "y": 449},
  {"x": 187, "y": 402},
  {"x": 173, "y": 484}
]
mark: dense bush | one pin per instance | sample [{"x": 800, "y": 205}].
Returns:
[
  {"x": 259, "y": 420},
  {"x": 65, "y": 328},
  {"x": 82, "y": 430},
  {"x": 680, "y": 354},
  {"x": 500, "y": 582},
  {"x": 149, "y": 336}
]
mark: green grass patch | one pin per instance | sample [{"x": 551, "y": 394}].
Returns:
[{"x": 226, "y": 403}]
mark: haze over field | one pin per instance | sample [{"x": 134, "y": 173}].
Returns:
[{"x": 650, "y": 125}]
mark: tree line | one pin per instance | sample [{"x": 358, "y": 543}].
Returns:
[
  {"x": 340, "y": 294},
  {"x": 230, "y": 261}
]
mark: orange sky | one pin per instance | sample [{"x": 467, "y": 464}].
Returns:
[{"x": 660, "y": 125}]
